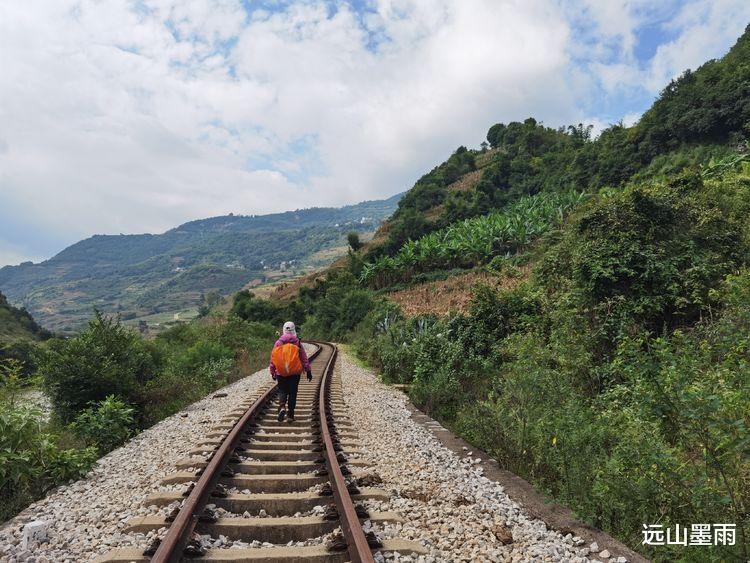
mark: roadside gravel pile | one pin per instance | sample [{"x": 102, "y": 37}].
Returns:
[
  {"x": 85, "y": 517},
  {"x": 446, "y": 502}
]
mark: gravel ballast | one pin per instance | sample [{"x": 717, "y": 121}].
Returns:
[{"x": 446, "y": 502}]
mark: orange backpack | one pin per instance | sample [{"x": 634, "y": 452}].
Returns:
[{"x": 286, "y": 359}]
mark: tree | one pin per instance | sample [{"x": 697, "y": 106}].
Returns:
[
  {"x": 246, "y": 306},
  {"x": 105, "y": 359},
  {"x": 353, "y": 239}
]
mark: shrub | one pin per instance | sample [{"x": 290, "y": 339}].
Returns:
[
  {"x": 31, "y": 462},
  {"x": 353, "y": 240},
  {"x": 11, "y": 384},
  {"x": 104, "y": 359},
  {"x": 250, "y": 308},
  {"x": 337, "y": 312},
  {"x": 645, "y": 258},
  {"x": 105, "y": 426},
  {"x": 25, "y": 351},
  {"x": 200, "y": 354}
]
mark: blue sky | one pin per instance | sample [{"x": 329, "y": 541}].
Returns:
[{"x": 134, "y": 116}]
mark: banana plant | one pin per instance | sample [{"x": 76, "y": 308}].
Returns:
[{"x": 476, "y": 240}]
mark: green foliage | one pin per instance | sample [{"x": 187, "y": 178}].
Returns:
[
  {"x": 709, "y": 104},
  {"x": 156, "y": 377},
  {"x": 24, "y": 350},
  {"x": 105, "y": 359},
  {"x": 31, "y": 461},
  {"x": 473, "y": 241},
  {"x": 646, "y": 258},
  {"x": 105, "y": 426},
  {"x": 17, "y": 323},
  {"x": 717, "y": 167},
  {"x": 201, "y": 357},
  {"x": 211, "y": 300},
  {"x": 246, "y": 306},
  {"x": 339, "y": 308},
  {"x": 408, "y": 221},
  {"x": 108, "y": 382},
  {"x": 201, "y": 353},
  {"x": 353, "y": 240},
  {"x": 11, "y": 384}
]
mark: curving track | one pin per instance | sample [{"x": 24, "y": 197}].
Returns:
[{"x": 272, "y": 478}]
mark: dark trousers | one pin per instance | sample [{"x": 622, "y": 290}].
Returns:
[{"x": 288, "y": 392}]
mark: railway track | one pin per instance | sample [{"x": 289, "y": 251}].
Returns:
[{"x": 265, "y": 491}]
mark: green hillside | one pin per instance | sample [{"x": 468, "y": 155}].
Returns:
[
  {"x": 19, "y": 335},
  {"x": 17, "y": 324},
  {"x": 140, "y": 275},
  {"x": 702, "y": 114},
  {"x": 605, "y": 355}
]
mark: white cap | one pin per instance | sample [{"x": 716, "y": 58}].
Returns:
[{"x": 289, "y": 328}]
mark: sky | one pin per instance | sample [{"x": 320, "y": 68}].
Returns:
[{"x": 131, "y": 116}]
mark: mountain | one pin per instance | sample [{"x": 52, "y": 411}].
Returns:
[{"x": 141, "y": 275}]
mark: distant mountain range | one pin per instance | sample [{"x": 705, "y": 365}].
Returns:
[{"x": 144, "y": 275}]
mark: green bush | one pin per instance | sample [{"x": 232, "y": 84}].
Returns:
[
  {"x": 200, "y": 354},
  {"x": 25, "y": 351},
  {"x": 31, "y": 461},
  {"x": 250, "y": 308},
  {"x": 105, "y": 384},
  {"x": 11, "y": 382},
  {"x": 105, "y": 426},
  {"x": 645, "y": 258},
  {"x": 340, "y": 306},
  {"x": 105, "y": 359}
]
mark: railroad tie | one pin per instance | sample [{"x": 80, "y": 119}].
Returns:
[{"x": 256, "y": 480}]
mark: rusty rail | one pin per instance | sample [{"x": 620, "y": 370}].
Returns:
[
  {"x": 356, "y": 542},
  {"x": 173, "y": 544}
]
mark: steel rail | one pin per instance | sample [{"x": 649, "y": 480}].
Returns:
[
  {"x": 178, "y": 535},
  {"x": 356, "y": 542}
]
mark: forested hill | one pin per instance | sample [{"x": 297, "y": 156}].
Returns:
[
  {"x": 703, "y": 114},
  {"x": 141, "y": 275}
]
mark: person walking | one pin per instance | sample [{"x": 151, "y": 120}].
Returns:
[{"x": 288, "y": 361}]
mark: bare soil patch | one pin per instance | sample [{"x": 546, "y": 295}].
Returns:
[{"x": 452, "y": 294}]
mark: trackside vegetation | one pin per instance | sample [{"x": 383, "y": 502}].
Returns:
[
  {"x": 105, "y": 385},
  {"x": 616, "y": 377}
]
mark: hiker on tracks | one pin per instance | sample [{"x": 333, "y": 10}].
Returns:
[{"x": 288, "y": 361}]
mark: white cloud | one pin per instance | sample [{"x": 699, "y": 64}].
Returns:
[
  {"x": 703, "y": 31},
  {"x": 126, "y": 117}
]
